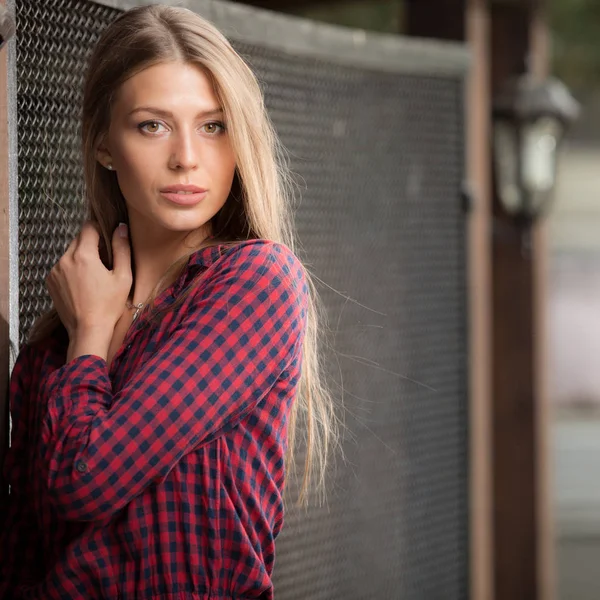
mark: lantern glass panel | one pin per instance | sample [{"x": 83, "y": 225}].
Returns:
[
  {"x": 540, "y": 142},
  {"x": 506, "y": 152}
]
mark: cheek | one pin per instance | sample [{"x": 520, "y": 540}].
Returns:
[
  {"x": 134, "y": 179},
  {"x": 222, "y": 167},
  {"x": 136, "y": 164},
  {"x": 135, "y": 158}
]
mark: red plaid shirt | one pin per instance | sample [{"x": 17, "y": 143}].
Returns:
[{"x": 163, "y": 476}]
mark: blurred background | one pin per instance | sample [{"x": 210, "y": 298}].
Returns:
[
  {"x": 449, "y": 154},
  {"x": 573, "y": 298},
  {"x": 570, "y": 280},
  {"x": 572, "y": 287}
]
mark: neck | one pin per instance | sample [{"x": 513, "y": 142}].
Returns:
[{"x": 152, "y": 255}]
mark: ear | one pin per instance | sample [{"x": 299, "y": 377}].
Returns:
[{"x": 103, "y": 155}]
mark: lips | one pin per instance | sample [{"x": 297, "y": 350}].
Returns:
[
  {"x": 184, "y": 199},
  {"x": 182, "y": 187}
]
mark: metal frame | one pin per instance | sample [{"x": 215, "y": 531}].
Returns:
[
  {"x": 9, "y": 240},
  {"x": 13, "y": 200},
  {"x": 353, "y": 47}
]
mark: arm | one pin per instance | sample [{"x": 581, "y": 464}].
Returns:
[
  {"x": 20, "y": 540},
  {"x": 244, "y": 325}
]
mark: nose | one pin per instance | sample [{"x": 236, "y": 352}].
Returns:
[{"x": 184, "y": 154}]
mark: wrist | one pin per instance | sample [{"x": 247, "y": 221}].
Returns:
[{"x": 89, "y": 340}]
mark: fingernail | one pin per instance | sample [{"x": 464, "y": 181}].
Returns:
[{"x": 122, "y": 230}]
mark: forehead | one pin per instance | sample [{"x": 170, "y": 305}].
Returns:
[{"x": 171, "y": 85}]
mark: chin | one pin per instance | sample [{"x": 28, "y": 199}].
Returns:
[
  {"x": 185, "y": 227},
  {"x": 177, "y": 220},
  {"x": 183, "y": 220}
]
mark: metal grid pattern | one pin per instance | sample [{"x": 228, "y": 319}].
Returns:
[
  {"x": 380, "y": 159},
  {"x": 50, "y": 72},
  {"x": 381, "y": 221}
]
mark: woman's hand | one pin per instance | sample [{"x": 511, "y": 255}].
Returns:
[{"x": 88, "y": 297}]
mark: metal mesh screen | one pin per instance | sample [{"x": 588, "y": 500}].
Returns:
[{"x": 380, "y": 221}]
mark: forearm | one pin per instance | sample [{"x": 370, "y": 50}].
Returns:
[
  {"x": 89, "y": 340},
  {"x": 74, "y": 395}
]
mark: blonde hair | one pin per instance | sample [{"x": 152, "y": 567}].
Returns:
[{"x": 258, "y": 207}]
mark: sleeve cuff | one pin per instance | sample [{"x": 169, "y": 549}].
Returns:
[{"x": 84, "y": 380}]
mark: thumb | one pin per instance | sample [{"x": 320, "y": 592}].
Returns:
[{"x": 121, "y": 250}]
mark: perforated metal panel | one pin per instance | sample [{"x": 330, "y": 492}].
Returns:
[
  {"x": 380, "y": 221},
  {"x": 53, "y": 42}
]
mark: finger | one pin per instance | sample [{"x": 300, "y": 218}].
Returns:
[
  {"x": 89, "y": 236},
  {"x": 72, "y": 247},
  {"x": 121, "y": 251},
  {"x": 50, "y": 286},
  {"x": 88, "y": 247}
]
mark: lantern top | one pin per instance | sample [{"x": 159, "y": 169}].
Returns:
[{"x": 525, "y": 98}]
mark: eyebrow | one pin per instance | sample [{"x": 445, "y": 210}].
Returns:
[{"x": 166, "y": 113}]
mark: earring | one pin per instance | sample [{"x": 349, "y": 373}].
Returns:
[{"x": 109, "y": 167}]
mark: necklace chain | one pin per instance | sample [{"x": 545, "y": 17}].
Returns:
[{"x": 137, "y": 307}]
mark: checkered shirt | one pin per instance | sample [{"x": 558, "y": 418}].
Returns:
[{"x": 161, "y": 477}]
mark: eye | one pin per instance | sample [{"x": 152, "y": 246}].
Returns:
[
  {"x": 141, "y": 126},
  {"x": 213, "y": 128}
]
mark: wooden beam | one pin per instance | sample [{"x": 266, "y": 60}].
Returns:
[
  {"x": 478, "y": 167},
  {"x": 539, "y": 64},
  {"x": 526, "y": 4},
  {"x": 440, "y": 19},
  {"x": 283, "y": 5},
  {"x": 520, "y": 532},
  {"x": 515, "y": 531}
]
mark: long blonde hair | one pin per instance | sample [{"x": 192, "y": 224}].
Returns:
[{"x": 259, "y": 205}]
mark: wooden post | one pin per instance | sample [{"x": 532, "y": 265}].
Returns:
[
  {"x": 522, "y": 544},
  {"x": 546, "y": 556},
  {"x": 480, "y": 315}
]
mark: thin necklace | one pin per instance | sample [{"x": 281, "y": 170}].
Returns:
[
  {"x": 137, "y": 307},
  {"x": 141, "y": 305}
]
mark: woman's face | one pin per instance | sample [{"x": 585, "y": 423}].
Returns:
[{"x": 167, "y": 129}]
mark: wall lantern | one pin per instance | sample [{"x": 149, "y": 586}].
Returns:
[{"x": 530, "y": 120}]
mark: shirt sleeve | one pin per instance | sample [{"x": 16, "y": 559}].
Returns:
[
  {"x": 244, "y": 325},
  {"x": 20, "y": 537}
]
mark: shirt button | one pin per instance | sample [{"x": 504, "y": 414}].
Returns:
[
  {"x": 82, "y": 466},
  {"x": 128, "y": 346}
]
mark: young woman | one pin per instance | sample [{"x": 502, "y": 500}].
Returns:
[{"x": 153, "y": 407}]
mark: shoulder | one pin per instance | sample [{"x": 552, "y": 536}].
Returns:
[
  {"x": 30, "y": 355},
  {"x": 37, "y": 358},
  {"x": 260, "y": 249},
  {"x": 264, "y": 258},
  {"x": 22, "y": 374},
  {"x": 22, "y": 362},
  {"x": 255, "y": 274}
]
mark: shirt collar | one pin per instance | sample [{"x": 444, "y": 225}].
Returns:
[
  {"x": 205, "y": 256},
  {"x": 200, "y": 259}
]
